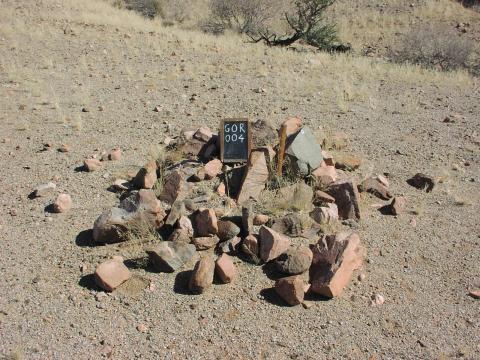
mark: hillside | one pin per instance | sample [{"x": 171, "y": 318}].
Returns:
[{"x": 89, "y": 75}]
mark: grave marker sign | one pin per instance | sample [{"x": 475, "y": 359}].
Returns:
[{"x": 235, "y": 140}]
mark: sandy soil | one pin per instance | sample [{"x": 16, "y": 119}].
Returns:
[{"x": 53, "y": 65}]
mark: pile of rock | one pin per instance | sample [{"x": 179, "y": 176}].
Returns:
[{"x": 325, "y": 193}]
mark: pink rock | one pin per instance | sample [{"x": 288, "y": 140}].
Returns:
[
  {"x": 111, "y": 273},
  {"x": 375, "y": 187},
  {"x": 378, "y": 299},
  {"x": 328, "y": 159},
  {"x": 115, "y": 155},
  {"x": 398, "y": 205},
  {"x": 346, "y": 197},
  {"x": 184, "y": 223},
  {"x": 335, "y": 257},
  {"x": 174, "y": 188},
  {"x": 204, "y": 134},
  {"x": 325, "y": 214},
  {"x": 260, "y": 219},
  {"x": 255, "y": 179},
  {"x": 92, "y": 164},
  {"x": 292, "y": 125},
  {"x": 146, "y": 177},
  {"x": 324, "y": 197},
  {"x": 383, "y": 180},
  {"x": 250, "y": 245},
  {"x": 202, "y": 275},
  {"x": 225, "y": 268},
  {"x": 64, "y": 148},
  {"x": 212, "y": 169},
  {"x": 325, "y": 175},
  {"x": 206, "y": 222},
  {"x": 272, "y": 244},
  {"x": 205, "y": 242},
  {"x": 291, "y": 289},
  {"x": 474, "y": 293},
  {"x": 142, "y": 328},
  {"x": 63, "y": 203},
  {"x": 221, "y": 190},
  {"x": 188, "y": 134}
]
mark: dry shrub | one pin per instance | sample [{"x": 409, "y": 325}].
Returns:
[{"x": 436, "y": 48}]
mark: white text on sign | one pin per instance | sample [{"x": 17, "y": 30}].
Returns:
[{"x": 234, "y": 132}]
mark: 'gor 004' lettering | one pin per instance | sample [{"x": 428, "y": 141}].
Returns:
[{"x": 234, "y": 132}]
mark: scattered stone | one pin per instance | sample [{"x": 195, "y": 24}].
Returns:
[
  {"x": 221, "y": 190},
  {"x": 323, "y": 197},
  {"x": 255, "y": 179},
  {"x": 297, "y": 196},
  {"x": 142, "y": 328},
  {"x": 348, "y": 162},
  {"x": 115, "y": 155},
  {"x": 325, "y": 175},
  {"x": 290, "y": 289},
  {"x": 422, "y": 182},
  {"x": 325, "y": 214},
  {"x": 272, "y": 244},
  {"x": 307, "y": 304},
  {"x": 305, "y": 149},
  {"x": 383, "y": 180},
  {"x": 64, "y": 148},
  {"x": 335, "y": 257},
  {"x": 398, "y": 205},
  {"x": 225, "y": 268},
  {"x": 92, "y": 165},
  {"x": 44, "y": 189},
  {"x": 121, "y": 185},
  {"x": 202, "y": 276},
  {"x": 290, "y": 224},
  {"x": 206, "y": 222},
  {"x": 378, "y": 299},
  {"x": 176, "y": 212},
  {"x": 146, "y": 177},
  {"x": 184, "y": 223},
  {"x": 373, "y": 186},
  {"x": 170, "y": 256},
  {"x": 174, "y": 188},
  {"x": 62, "y": 204},
  {"x": 205, "y": 242},
  {"x": 230, "y": 246},
  {"x": 328, "y": 159},
  {"x": 474, "y": 294},
  {"x": 111, "y": 273},
  {"x": 204, "y": 134},
  {"x": 346, "y": 197},
  {"x": 247, "y": 219},
  {"x": 180, "y": 236},
  {"x": 295, "y": 261},
  {"x": 212, "y": 169},
  {"x": 250, "y": 247},
  {"x": 227, "y": 230},
  {"x": 260, "y": 219},
  {"x": 292, "y": 125}
]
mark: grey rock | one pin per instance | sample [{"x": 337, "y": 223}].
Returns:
[
  {"x": 227, "y": 230},
  {"x": 170, "y": 256},
  {"x": 295, "y": 261},
  {"x": 176, "y": 212},
  {"x": 305, "y": 149},
  {"x": 230, "y": 246},
  {"x": 44, "y": 189}
]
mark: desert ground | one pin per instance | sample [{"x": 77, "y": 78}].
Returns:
[{"x": 88, "y": 75}]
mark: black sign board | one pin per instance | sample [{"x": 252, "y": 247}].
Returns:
[{"x": 235, "y": 140}]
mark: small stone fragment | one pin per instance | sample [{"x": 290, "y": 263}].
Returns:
[
  {"x": 142, "y": 328},
  {"x": 111, "y": 273},
  {"x": 62, "y": 204},
  {"x": 337, "y": 141},
  {"x": 474, "y": 293},
  {"x": 176, "y": 212},
  {"x": 170, "y": 256},
  {"x": 180, "y": 236},
  {"x": 44, "y": 189},
  {"x": 374, "y": 186},
  {"x": 206, "y": 242},
  {"x": 225, "y": 268},
  {"x": 204, "y": 134},
  {"x": 202, "y": 275},
  {"x": 272, "y": 244},
  {"x": 348, "y": 162},
  {"x": 146, "y": 177},
  {"x": 290, "y": 289},
  {"x": 247, "y": 219},
  {"x": 221, "y": 190},
  {"x": 230, "y": 246},
  {"x": 250, "y": 247},
  {"x": 92, "y": 164},
  {"x": 260, "y": 219},
  {"x": 328, "y": 159},
  {"x": 398, "y": 205},
  {"x": 292, "y": 125},
  {"x": 212, "y": 169},
  {"x": 64, "y": 148},
  {"x": 184, "y": 223},
  {"x": 422, "y": 182},
  {"x": 323, "y": 197},
  {"x": 378, "y": 299},
  {"x": 115, "y": 155}
]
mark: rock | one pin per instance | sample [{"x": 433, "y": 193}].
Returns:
[
  {"x": 121, "y": 185},
  {"x": 184, "y": 223},
  {"x": 203, "y": 133},
  {"x": 142, "y": 328},
  {"x": 180, "y": 236},
  {"x": 325, "y": 175},
  {"x": 230, "y": 246},
  {"x": 474, "y": 293},
  {"x": 115, "y": 155},
  {"x": 221, "y": 190},
  {"x": 292, "y": 125},
  {"x": 272, "y": 244},
  {"x": 62, "y": 204},
  {"x": 328, "y": 159},
  {"x": 260, "y": 219},
  {"x": 383, "y": 180},
  {"x": 225, "y": 269},
  {"x": 64, "y": 148},
  {"x": 194, "y": 147},
  {"x": 92, "y": 165},
  {"x": 198, "y": 176},
  {"x": 378, "y": 299},
  {"x": 212, "y": 169},
  {"x": 139, "y": 208},
  {"x": 422, "y": 182},
  {"x": 290, "y": 289},
  {"x": 174, "y": 188},
  {"x": 305, "y": 149},
  {"x": 290, "y": 224},
  {"x": 202, "y": 275},
  {"x": 337, "y": 141},
  {"x": 335, "y": 257},
  {"x": 227, "y": 230},
  {"x": 297, "y": 196},
  {"x": 205, "y": 242},
  {"x": 146, "y": 177},
  {"x": 247, "y": 219},
  {"x": 325, "y": 214},
  {"x": 44, "y": 189},
  {"x": 348, "y": 162},
  {"x": 295, "y": 261},
  {"x": 346, "y": 197},
  {"x": 263, "y": 134},
  {"x": 250, "y": 248},
  {"x": 176, "y": 212},
  {"x": 170, "y": 256},
  {"x": 255, "y": 178},
  {"x": 323, "y": 197},
  {"x": 111, "y": 274},
  {"x": 398, "y": 205},
  {"x": 206, "y": 222},
  {"x": 375, "y": 187}
]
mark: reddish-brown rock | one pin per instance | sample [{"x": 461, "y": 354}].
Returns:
[
  {"x": 291, "y": 289},
  {"x": 325, "y": 214},
  {"x": 323, "y": 197},
  {"x": 212, "y": 169},
  {"x": 184, "y": 223},
  {"x": 174, "y": 187},
  {"x": 346, "y": 197},
  {"x": 111, "y": 273},
  {"x": 205, "y": 242},
  {"x": 375, "y": 187},
  {"x": 206, "y": 222},
  {"x": 272, "y": 244},
  {"x": 202, "y": 275},
  {"x": 92, "y": 164},
  {"x": 335, "y": 257},
  {"x": 292, "y": 125},
  {"x": 115, "y": 155},
  {"x": 325, "y": 175},
  {"x": 260, "y": 219},
  {"x": 348, "y": 162},
  {"x": 146, "y": 176},
  {"x": 474, "y": 293},
  {"x": 225, "y": 268},
  {"x": 398, "y": 205},
  {"x": 204, "y": 134},
  {"x": 255, "y": 179},
  {"x": 328, "y": 159},
  {"x": 63, "y": 203},
  {"x": 250, "y": 245}
]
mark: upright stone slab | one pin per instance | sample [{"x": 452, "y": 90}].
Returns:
[
  {"x": 255, "y": 178},
  {"x": 346, "y": 197},
  {"x": 306, "y": 150}
]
